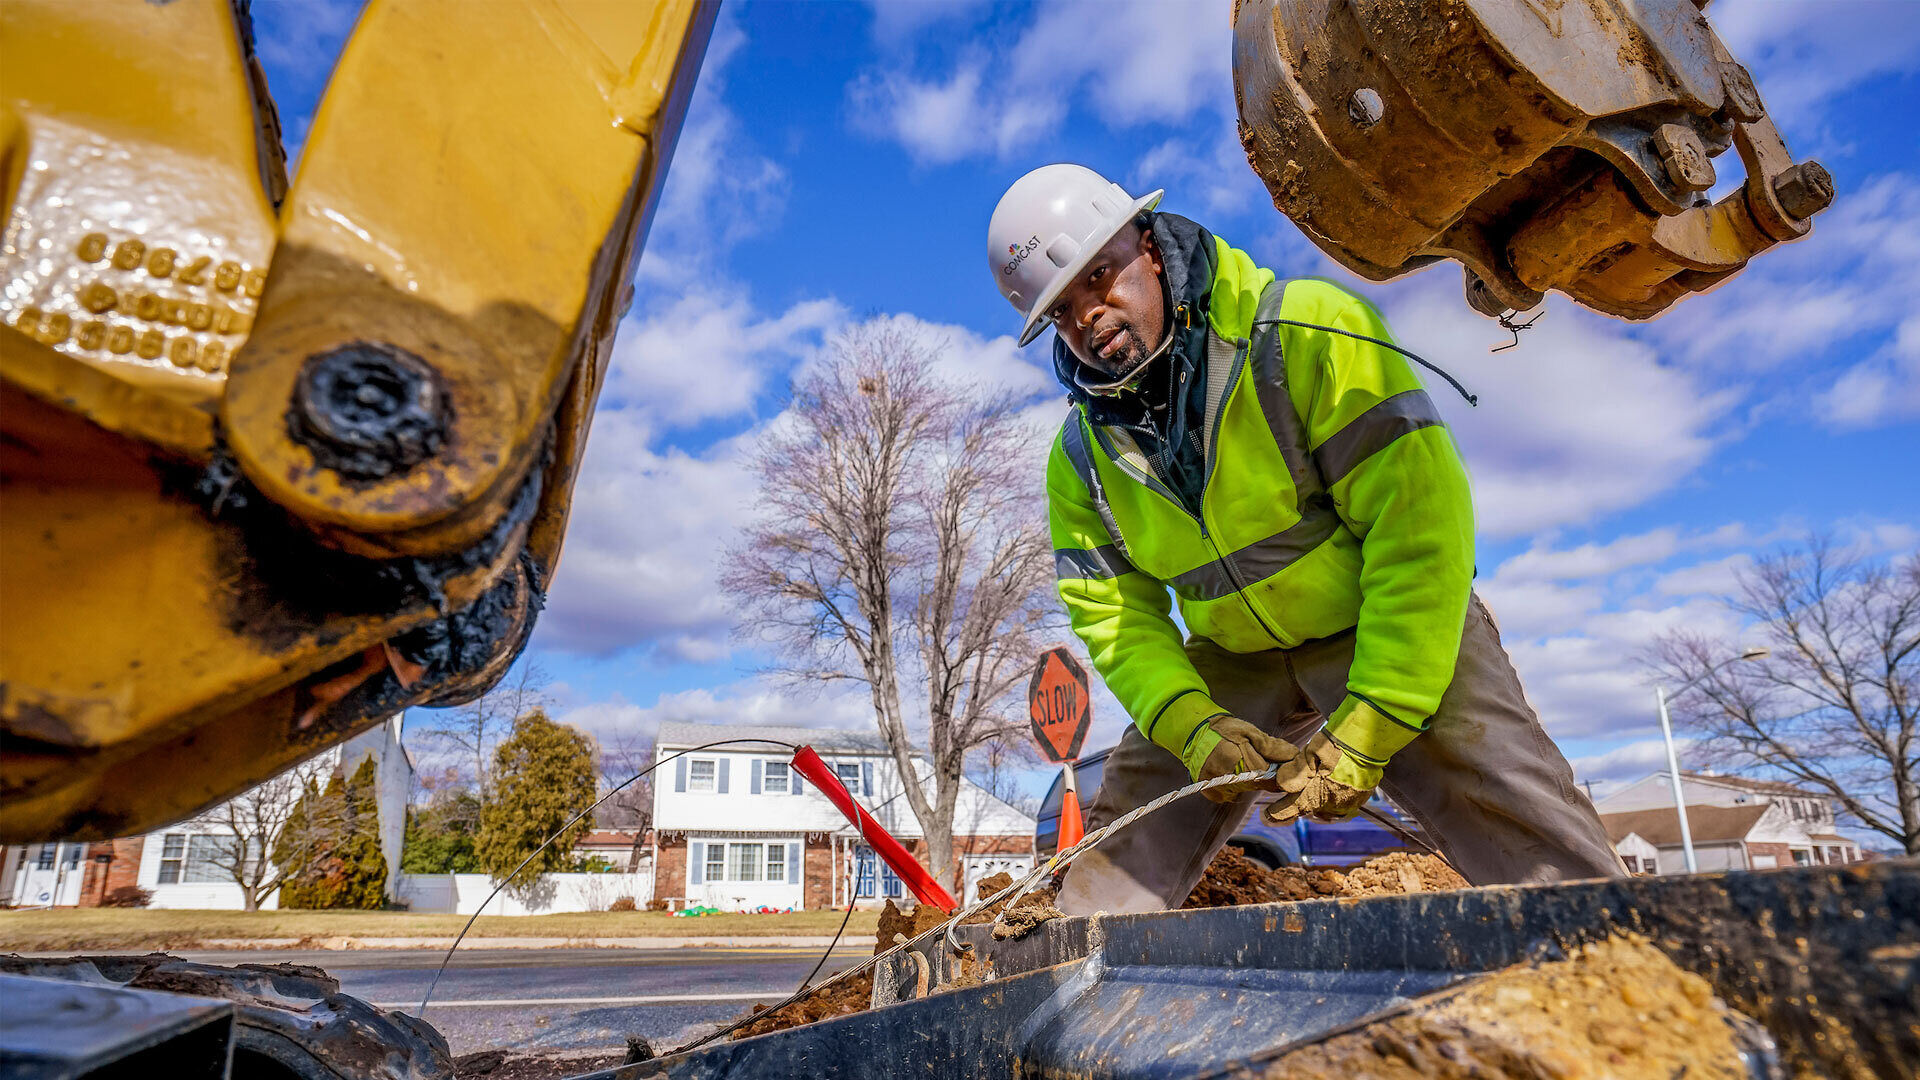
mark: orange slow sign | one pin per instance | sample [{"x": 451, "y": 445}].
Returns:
[{"x": 1058, "y": 704}]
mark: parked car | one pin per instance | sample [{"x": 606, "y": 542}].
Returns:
[{"x": 1304, "y": 843}]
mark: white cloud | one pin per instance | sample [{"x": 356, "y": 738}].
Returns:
[
  {"x": 1582, "y": 420},
  {"x": 748, "y": 701},
  {"x": 642, "y": 544},
  {"x": 1802, "y": 55},
  {"x": 1130, "y": 62},
  {"x": 1844, "y": 292},
  {"x": 699, "y": 356},
  {"x": 1622, "y": 765}
]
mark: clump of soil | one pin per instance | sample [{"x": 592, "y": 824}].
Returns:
[
  {"x": 1233, "y": 879},
  {"x": 1617, "y": 1009},
  {"x": 508, "y": 1065},
  {"x": 854, "y": 995}
]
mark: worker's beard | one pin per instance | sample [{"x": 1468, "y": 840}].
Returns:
[{"x": 1132, "y": 353}]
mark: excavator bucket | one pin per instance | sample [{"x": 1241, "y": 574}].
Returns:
[{"x": 1544, "y": 144}]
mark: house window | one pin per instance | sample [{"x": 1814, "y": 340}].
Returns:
[
  {"x": 1651, "y": 865},
  {"x": 173, "y": 851},
  {"x": 746, "y": 862},
  {"x": 1834, "y": 855},
  {"x": 849, "y": 774},
  {"x": 700, "y": 775},
  {"x": 1633, "y": 864},
  {"x": 1802, "y": 857},
  {"x": 743, "y": 862},
  {"x": 193, "y": 860},
  {"x": 775, "y": 780},
  {"x": 44, "y": 861}
]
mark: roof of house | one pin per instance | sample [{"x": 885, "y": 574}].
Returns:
[
  {"x": 1661, "y": 826},
  {"x": 676, "y": 733},
  {"x": 1828, "y": 838},
  {"x": 1748, "y": 783},
  {"x": 609, "y": 838}
]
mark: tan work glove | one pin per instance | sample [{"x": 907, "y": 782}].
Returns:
[
  {"x": 1324, "y": 783},
  {"x": 1226, "y": 745}
]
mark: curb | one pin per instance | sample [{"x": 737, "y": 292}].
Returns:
[{"x": 346, "y": 944}]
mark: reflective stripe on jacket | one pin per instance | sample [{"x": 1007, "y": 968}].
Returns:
[{"x": 1334, "y": 498}]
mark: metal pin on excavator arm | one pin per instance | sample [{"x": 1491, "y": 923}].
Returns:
[{"x": 1543, "y": 144}]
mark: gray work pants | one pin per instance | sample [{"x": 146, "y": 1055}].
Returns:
[{"x": 1485, "y": 782}]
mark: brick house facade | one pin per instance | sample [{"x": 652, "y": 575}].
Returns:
[{"x": 738, "y": 829}]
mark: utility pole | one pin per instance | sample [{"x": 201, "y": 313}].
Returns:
[{"x": 1673, "y": 773}]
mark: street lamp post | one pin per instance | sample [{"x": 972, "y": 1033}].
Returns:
[{"x": 1673, "y": 758}]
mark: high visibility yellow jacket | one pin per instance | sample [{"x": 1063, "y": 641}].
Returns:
[{"x": 1334, "y": 498}]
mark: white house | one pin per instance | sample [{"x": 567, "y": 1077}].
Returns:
[
  {"x": 737, "y": 828},
  {"x": 176, "y": 863},
  {"x": 1737, "y": 824}
]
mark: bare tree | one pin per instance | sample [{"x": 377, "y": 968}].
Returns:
[
  {"x": 470, "y": 732},
  {"x": 902, "y": 540},
  {"x": 1834, "y": 706},
  {"x": 621, "y": 756},
  {"x": 256, "y": 818}
]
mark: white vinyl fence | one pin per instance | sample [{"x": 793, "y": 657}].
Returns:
[{"x": 556, "y": 894}]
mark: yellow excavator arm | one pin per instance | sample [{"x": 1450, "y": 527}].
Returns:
[
  {"x": 1543, "y": 144},
  {"x": 280, "y": 462}
]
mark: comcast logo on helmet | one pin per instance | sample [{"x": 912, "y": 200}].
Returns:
[{"x": 1019, "y": 253}]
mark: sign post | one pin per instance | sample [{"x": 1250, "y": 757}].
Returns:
[{"x": 1061, "y": 710}]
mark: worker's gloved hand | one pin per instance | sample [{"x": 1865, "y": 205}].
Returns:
[
  {"x": 1226, "y": 745},
  {"x": 1325, "y": 783}
]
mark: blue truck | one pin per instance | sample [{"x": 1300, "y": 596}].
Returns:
[{"x": 1304, "y": 843}]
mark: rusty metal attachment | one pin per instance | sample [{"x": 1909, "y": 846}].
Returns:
[
  {"x": 1543, "y": 146},
  {"x": 369, "y": 410}
]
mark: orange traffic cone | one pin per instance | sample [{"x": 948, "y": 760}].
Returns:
[{"x": 1072, "y": 829}]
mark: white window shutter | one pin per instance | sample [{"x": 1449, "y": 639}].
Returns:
[
  {"x": 722, "y": 787},
  {"x": 759, "y": 767},
  {"x": 680, "y": 774},
  {"x": 696, "y": 862},
  {"x": 793, "y": 864},
  {"x": 794, "y": 784},
  {"x": 866, "y": 778}
]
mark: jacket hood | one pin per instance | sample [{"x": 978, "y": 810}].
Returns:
[{"x": 1187, "y": 255}]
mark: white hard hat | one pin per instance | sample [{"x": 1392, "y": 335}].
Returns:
[{"x": 1048, "y": 226}]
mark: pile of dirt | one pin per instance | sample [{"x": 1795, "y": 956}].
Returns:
[
  {"x": 1618, "y": 1009},
  {"x": 1233, "y": 879},
  {"x": 853, "y": 995}
]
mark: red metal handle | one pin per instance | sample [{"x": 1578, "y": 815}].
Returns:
[{"x": 925, "y": 888}]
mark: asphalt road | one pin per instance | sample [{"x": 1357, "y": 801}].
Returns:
[{"x": 565, "y": 998}]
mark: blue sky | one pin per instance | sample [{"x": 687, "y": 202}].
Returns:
[{"x": 840, "y": 161}]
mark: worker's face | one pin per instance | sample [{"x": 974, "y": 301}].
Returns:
[{"x": 1114, "y": 315}]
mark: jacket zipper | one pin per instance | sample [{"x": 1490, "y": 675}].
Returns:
[{"x": 1154, "y": 485}]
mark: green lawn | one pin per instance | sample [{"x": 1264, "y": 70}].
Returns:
[{"x": 133, "y": 928}]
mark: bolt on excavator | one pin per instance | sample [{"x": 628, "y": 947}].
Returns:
[{"x": 283, "y": 458}]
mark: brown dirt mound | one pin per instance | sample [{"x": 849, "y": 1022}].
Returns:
[
  {"x": 1233, "y": 879},
  {"x": 1618, "y": 1009},
  {"x": 852, "y": 996}
]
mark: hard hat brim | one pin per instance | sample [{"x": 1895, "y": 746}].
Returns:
[{"x": 1037, "y": 314}]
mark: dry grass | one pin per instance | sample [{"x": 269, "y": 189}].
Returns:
[{"x": 118, "y": 928}]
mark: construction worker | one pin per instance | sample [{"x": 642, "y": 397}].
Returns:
[{"x": 1297, "y": 491}]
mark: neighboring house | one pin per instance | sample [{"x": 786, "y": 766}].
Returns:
[
  {"x": 176, "y": 862},
  {"x": 1737, "y": 824},
  {"x": 626, "y": 850},
  {"x": 738, "y": 829}
]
